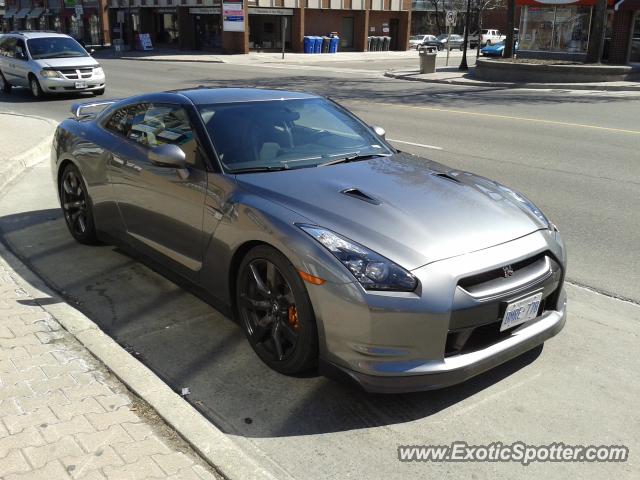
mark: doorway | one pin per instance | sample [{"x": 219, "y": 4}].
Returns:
[
  {"x": 394, "y": 31},
  {"x": 346, "y": 33},
  {"x": 634, "y": 54}
]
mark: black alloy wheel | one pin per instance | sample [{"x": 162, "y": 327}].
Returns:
[
  {"x": 76, "y": 206},
  {"x": 275, "y": 312}
]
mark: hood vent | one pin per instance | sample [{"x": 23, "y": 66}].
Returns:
[
  {"x": 360, "y": 195},
  {"x": 446, "y": 176}
]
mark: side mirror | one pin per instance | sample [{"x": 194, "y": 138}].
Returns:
[
  {"x": 379, "y": 131},
  {"x": 92, "y": 51},
  {"x": 169, "y": 156}
]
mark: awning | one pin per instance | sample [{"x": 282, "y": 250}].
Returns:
[
  {"x": 22, "y": 13},
  {"x": 9, "y": 14},
  {"x": 35, "y": 13}
]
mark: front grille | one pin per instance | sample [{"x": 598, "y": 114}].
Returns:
[
  {"x": 478, "y": 326},
  {"x": 77, "y": 73}
]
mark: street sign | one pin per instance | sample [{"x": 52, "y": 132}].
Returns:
[
  {"x": 451, "y": 18},
  {"x": 79, "y": 10}
]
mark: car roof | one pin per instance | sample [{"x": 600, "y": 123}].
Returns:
[
  {"x": 202, "y": 96},
  {"x": 38, "y": 34}
]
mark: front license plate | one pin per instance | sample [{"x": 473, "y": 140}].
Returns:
[
  {"x": 81, "y": 84},
  {"x": 521, "y": 311}
]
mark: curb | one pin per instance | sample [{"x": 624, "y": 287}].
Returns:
[
  {"x": 174, "y": 60},
  {"x": 13, "y": 167},
  {"x": 536, "y": 86},
  {"x": 205, "y": 438}
]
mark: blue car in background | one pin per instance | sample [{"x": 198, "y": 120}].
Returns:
[{"x": 495, "y": 50}]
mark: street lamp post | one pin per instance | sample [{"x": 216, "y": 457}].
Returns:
[{"x": 463, "y": 64}]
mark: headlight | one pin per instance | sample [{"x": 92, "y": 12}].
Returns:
[
  {"x": 518, "y": 197},
  {"x": 49, "y": 73},
  {"x": 373, "y": 271},
  {"x": 98, "y": 71}
]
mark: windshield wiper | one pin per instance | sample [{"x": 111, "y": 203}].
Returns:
[
  {"x": 354, "y": 157},
  {"x": 266, "y": 168}
]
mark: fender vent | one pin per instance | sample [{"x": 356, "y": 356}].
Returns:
[{"x": 360, "y": 195}]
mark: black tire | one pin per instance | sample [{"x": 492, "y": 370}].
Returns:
[
  {"x": 34, "y": 86},
  {"x": 97, "y": 93},
  {"x": 288, "y": 346},
  {"x": 462, "y": 47},
  {"x": 77, "y": 206},
  {"x": 5, "y": 86}
]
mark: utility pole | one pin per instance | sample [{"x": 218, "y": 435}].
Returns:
[
  {"x": 596, "y": 37},
  {"x": 463, "y": 64},
  {"x": 511, "y": 24}
]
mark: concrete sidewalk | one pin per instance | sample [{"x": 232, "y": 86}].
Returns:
[
  {"x": 451, "y": 76},
  {"x": 63, "y": 415}
]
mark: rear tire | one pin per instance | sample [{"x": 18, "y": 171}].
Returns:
[
  {"x": 36, "y": 89},
  {"x": 275, "y": 311},
  {"x": 5, "y": 86},
  {"x": 77, "y": 206}
]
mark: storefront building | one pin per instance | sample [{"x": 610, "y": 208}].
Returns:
[
  {"x": 259, "y": 25},
  {"x": 561, "y": 29},
  {"x": 82, "y": 19}
]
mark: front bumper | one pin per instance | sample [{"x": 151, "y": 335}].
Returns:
[
  {"x": 399, "y": 342},
  {"x": 64, "y": 85}
]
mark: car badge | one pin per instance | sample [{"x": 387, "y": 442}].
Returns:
[{"x": 508, "y": 271}]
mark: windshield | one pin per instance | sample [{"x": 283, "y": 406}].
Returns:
[
  {"x": 416, "y": 37},
  {"x": 441, "y": 37},
  {"x": 286, "y": 134},
  {"x": 55, "y": 47}
]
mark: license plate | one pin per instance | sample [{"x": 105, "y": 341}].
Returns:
[
  {"x": 521, "y": 311},
  {"x": 81, "y": 84}
]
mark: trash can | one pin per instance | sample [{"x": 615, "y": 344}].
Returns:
[
  {"x": 377, "y": 44},
  {"x": 428, "y": 59},
  {"x": 335, "y": 43},
  {"x": 317, "y": 46},
  {"x": 386, "y": 43},
  {"x": 326, "y": 42},
  {"x": 308, "y": 44}
]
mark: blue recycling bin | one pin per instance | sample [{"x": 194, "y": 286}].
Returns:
[
  {"x": 317, "y": 46},
  {"x": 333, "y": 46},
  {"x": 308, "y": 44}
]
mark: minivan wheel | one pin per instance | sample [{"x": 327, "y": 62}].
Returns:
[
  {"x": 275, "y": 311},
  {"x": 36, "y": 89},
  {"x": 5, "y": 86}
]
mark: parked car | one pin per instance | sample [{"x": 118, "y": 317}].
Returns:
[
  {"x": 416, "y": 41},
  {"x": 496, "y": 50},
  {"x": 334, "y": 249},
  {"x": 486, "y": 37},
  {"x": 48, "y": 63},
  {"x": 455, "y": 41}
]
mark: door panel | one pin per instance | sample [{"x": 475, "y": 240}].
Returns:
[{"x": 162, "y": 207}]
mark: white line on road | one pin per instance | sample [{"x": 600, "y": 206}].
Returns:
[{"x": 433, "y": 147}]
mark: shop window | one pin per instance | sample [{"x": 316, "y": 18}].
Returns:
[
  {"x": 75, "y": 28},
  {"x": 557, "y": 29},
  {"x": 635, "y": 41},
  {"x": 43, "y": 23},
  {"x": 94, "y": 30}
]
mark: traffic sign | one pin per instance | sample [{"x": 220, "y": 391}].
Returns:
[{"x": 451, "y": 18}]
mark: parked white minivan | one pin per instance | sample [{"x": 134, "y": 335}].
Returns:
[{"x": 48, "y": 63}]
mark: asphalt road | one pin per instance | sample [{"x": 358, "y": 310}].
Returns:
[{"x": 574, "y": 153}]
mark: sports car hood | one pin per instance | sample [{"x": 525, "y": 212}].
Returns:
[{"x": 409, "y": 209}]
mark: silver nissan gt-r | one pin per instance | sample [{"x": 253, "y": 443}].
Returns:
[{"x": 332, "y": 248}]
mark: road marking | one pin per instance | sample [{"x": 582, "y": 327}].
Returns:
[
  {"x": 510, "y": 117},
  {"x": 415, "y": 144}
]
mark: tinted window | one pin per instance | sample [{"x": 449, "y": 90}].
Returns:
[
  {"x": 151, "y": 125},
  {"x": 292, "y": 133},
  {"x": 7, "y": 47},
  {"x": 20, "y": 49},
  {"x": 55, "y": 47}
]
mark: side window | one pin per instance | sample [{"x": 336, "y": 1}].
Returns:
[
  {"x": 7, "y": 47},
  {"x": 159, "y": 124},
  {"x": 20, "y": 50}
]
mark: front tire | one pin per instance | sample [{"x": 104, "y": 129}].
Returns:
[
  {"x": 36, "y": 89},
  {"x": 275, "y": 311},
  {"x": 5, "y": 86},
  {"x": 76, "y": 206}
]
